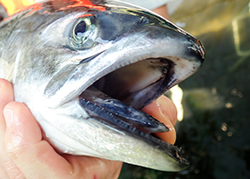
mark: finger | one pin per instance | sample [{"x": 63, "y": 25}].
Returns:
[
  {"x": 30, "y": 153},
  {"x": 167, "y": 108},
  {"x": 25, "y": 146},
  {"x": 6, "y": 93},
  {"x": 165, "y": 111},
  {"x": 163, "y": 11},
  {"x": 7, "y": 167},
  {"x": 91, "y": 167}
]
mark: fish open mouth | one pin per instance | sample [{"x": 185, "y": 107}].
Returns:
[{"x": 117, "y": 98}]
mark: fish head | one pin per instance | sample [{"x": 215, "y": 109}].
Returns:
[
  {"x": 108, "y": 36},
  {"x": 89, "y": 68}
]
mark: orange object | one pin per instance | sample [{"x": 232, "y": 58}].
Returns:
[{"x": 13, "y": 6}]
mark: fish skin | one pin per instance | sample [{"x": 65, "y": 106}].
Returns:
[{"x": 49, "y": 71}]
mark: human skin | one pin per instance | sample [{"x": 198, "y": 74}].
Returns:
[
  {"x": 25, "y": 154},
  {"x": 163, "y": 11}
]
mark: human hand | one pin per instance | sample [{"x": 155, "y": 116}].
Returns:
[
  {"x": 25, "y": 154},
  {"x": 163, "y": 11}
]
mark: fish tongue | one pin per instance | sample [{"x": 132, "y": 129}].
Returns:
[{"x": 164, "y": 111}]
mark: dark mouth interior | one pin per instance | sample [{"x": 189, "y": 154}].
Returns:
[
  {"x": 115, "y": 100},
  {"x": 137, "y": 84},
  {"x": 119, "y": 96}
]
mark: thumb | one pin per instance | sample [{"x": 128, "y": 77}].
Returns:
[
  {"x": 23, "y": 140},
  {"x": 36, "y": 158}
]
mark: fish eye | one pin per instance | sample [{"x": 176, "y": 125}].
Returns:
[
  {"x": 80, "y": 29},
  {"x": 83, "y": 33}
]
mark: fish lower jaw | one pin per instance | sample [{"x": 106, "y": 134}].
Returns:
[
  {"x": 66, "y": 135},
  {"x": 66, "y": 144}
]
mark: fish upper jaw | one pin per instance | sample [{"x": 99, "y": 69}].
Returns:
[{"x": 187, "y": 57}]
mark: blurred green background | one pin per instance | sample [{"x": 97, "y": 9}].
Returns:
[{"x": 215, "y": 130}]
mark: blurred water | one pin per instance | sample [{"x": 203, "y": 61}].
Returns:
[{"x": 215, "y": 131}]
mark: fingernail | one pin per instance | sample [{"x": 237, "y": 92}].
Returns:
[{"x": 8, "y": 115}]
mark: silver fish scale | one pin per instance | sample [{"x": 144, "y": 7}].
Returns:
[{"x": 50, "y": 67}]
